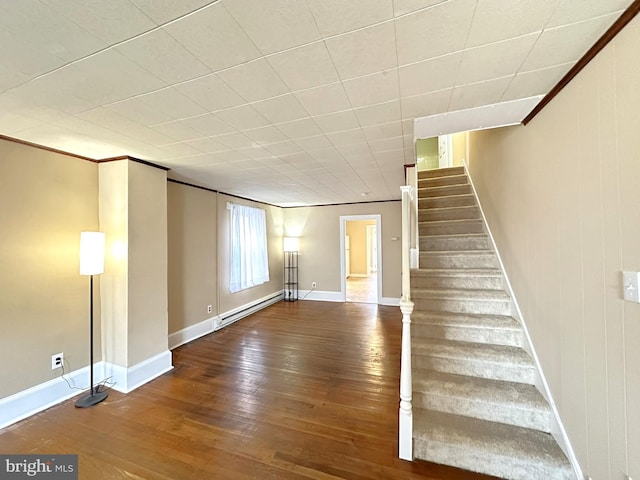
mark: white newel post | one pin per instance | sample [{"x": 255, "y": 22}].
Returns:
[{"x": 405, "y": 430}]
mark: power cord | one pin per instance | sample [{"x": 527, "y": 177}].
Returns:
[
  {"x": 307, "y": 294},
  {"x": 101, "y": 386}
]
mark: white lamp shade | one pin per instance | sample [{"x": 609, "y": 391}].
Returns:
[
  {"x": 91, "y": 253},
  {"x": 291, "y": 244}
]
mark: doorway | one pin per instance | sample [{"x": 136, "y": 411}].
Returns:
[{"x": 360, "y": 243}]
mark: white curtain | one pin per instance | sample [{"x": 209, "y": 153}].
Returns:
[{"x": 249, "y": 256}]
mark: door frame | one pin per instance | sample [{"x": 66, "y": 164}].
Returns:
[
  {"x": 343, "y": 231},
  {"x": 370, "y": 246}
]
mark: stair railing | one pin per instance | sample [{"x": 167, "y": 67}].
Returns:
[{"x": 405, "y": 429}]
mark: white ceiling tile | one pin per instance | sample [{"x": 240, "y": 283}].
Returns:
[
  {"x": 207, "y": 145},
  {"x": 334, "y": 122},
  {"x": 477, "y": 94},
  {"x": 384, "y": 130},
  {"x": 234, "y": 140},
  {"x": 325, "y": 99},
  {"x": 495, "y": 60},
  {"x": 172, "y": 103},
  {"x": 162, "y": 11},
  {"x": 566, "y": 44},
  {"x": 275, "y": 25},
  {"x": 348, "y": 137},
  {"x": 434, "y": 32},
  {"x": 178, "y": 131},
  {"x": 304, "y": 67},
  {"x": 371, "y": 89},
  {"x": 244, "y": 117},
  {"x": 139, "y": 112},
  {"x": 364, "y": 51},
  {"x": 375, "y": 114},
  {"x": 180, "y": 150},
  {"x": 391, "y": 156},
  {"x": 214, "y": 37},
  {"x": 112, "y": 21},
  {"x": 337, "y": 16},
  {"x": 11, "y": 122},
  {"x": 266, "y": 135},
  {"x": 112, "y": 120},
  {"x": 496, "y": 20},
  {"x": 313, "y": 143},
  {"x": 356, "y": 152},
  {"x": 48, "y": 30},
  {"x": 386, "y": 144},
  {"x": 569, "y": 11},
  {"x": 281, "y": 109},
  {"x": 163, "y": 56},
  {"x": 210, "y": 92},
  {"x": 535, "y": 82},
  {"x": 429, "y": 75},
  {"x": 208, "y": 125},
  {"x": 255, "y": 152},
  {"x": 254, "y": 80},
  {"x": 402, "y": 7},
  {"x": 425, "y": 105},
  {"x": 283, "y": 148},
  {"x": 299, "y": 128}
]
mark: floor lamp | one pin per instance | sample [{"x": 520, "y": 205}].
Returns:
[{"x": 91, "y": 263}]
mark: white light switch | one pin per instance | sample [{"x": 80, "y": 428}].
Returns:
[{"x": 630, "y": 286}]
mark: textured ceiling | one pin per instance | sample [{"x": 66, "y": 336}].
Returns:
[{"x": 291, "y": 102}]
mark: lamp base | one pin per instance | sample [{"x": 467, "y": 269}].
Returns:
[{"x": 91, "y": 399}]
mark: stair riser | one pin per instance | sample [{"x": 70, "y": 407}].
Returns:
[
  {"x": 472, "y": 282},
  {"x": 452, "y": 213},
  {"x": 440, "y": 172},
  {"x": 473, "y": 261},
  {"x": 442, "y": 181},
  {"x": 454, "y": 243},
  {"x": 476, "y": 335},
  {"x": 448, "y": 201},
  {"x": 484, "y": 307},
  {"x": 501, "y": 467},
  {"x": 474, "y": 367},
  {"x": 443, "y": 191},
  {"x": 510, "y": 415},
  {"x": 450, "y": 228}
]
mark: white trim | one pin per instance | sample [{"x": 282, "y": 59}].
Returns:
[
  {"x": 28, "y": 402},
  {"x": 321, "y": 296},
  {"x": 192, "y": 332},
  {"x": 343, "y": 231},
  {"x": 389, "y": 301},
  {"x": 128, "y": 379},
  {"x": 557, "y": 428}
]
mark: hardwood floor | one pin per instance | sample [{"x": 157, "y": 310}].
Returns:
[
  {"x": 362, "y": 289},
  {"x": 303, "y": 390}
]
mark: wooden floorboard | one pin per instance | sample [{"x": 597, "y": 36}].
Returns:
[{"x": 302, "y": 390}]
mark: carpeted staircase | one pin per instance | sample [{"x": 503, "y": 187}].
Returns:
[{"x": 474, "y": 399}]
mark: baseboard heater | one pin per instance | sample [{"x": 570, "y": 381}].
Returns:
[{"x": 234, "y": 316}]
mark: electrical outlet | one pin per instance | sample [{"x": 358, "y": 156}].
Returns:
[
  {"x": 209, "y": 308},
  {"x": 57, "y": 360},
  {"x": 313, "y": 284}
]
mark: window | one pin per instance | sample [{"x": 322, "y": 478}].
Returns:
[{"x": 249, "y": 256}]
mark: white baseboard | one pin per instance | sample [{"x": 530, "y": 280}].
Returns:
[
  {"x": 128, "y": 379},
  {"x": 358, "y": 275},
  {"x": 45, "y": 395},
  {"x": 192, "y": 332},
  {"x": 321, "y": 296},
  {"x": 389, "y": 301},
  {"x": 236, "y": 314}
]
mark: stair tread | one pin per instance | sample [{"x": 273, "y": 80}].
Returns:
[
  {"x": 484, "y": 441},
  {"x": 482, "y": 390},
  {"x": 475, "y": 351},
  {"x": 461, "y": 320},
  {"x": 460, "y": 293},
  {"x": 439, "y": 172},
  {"x": 456, "y": 272},
  {"x": 457, "y": 235},
  {"x": 453, "y": 220},
  {"x": 457, "y": 253}
]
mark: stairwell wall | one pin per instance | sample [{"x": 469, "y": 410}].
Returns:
[{"x": 562, "y": 199}]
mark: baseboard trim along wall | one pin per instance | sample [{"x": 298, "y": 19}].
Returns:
[
  {"x": 321, "y": 296},
  {"x": 45, "y": 395},
  {"x": 192, "y": 332}
]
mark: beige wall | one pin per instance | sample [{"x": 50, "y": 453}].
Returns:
[
  {"x": 192, "y": 217},
  {"x": 357, "y": 231},
  {"x": 562, "y": 197},
  {"x": 47, "y": 200},
  {"x": 319, "y": 232}
]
